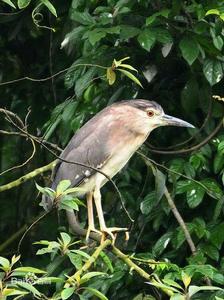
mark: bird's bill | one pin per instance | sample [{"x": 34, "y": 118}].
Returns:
[{"x": 169, "y": 120}]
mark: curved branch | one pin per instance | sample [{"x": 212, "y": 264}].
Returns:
[
  {"x": 193, "y": 148},
  {"x": 24, "y": 163}
]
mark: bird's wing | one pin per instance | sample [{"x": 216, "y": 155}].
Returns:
[{"x": 85, "y": 148}]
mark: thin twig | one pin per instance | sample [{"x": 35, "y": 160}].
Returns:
[
  {"x": 52, "y": 76},
  {"x": 180, "y": 220},
  {"x": 24, "y": 163}
]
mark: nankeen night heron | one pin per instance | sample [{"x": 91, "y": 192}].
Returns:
[{"x": 107, "y": 142}]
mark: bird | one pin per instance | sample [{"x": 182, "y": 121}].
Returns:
[{"x": 106, "y": 143}]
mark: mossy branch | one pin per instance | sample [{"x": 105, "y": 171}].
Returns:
[
  {"x": 125, "y": 258},
  {"x": 27, "y": 177}
]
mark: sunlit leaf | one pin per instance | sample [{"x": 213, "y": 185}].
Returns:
[
  {"x": 9, "y": 2},
  {"x": 193, "y": 289},
  {"x": 111, "y": 76},
  {"x": 23, "y": 3},
  {"x": 131, "y": 76},
  {"x": 50, "y": 6}
]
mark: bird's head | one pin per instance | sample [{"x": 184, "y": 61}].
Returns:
[{"x": 150, "y": 115}]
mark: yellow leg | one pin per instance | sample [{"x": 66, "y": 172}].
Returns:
[
  {"x": 91, "y": 226},
  {"x": 103, "y": 228}
]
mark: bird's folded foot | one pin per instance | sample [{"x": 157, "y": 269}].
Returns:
[
  {"x": 92, "y": 229},
  {"x": 112, "y": 232}
]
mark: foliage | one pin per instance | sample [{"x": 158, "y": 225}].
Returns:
[{"x": 177, "y": 48}]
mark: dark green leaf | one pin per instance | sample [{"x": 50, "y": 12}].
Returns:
[
  {"x": 83, "y": 18},
  {"x": 147, "y": 39},
  {"x": 148, "y": 203},
  {"x": 189, "y": 49},
  {"x": 195, "y": 195},
  {"x": 29, "y": 287},
  {"x": 96, "y": 293},
  {"x": 128, "y": 32},
  {"x": 213, "y": 70},
  {"x": 95, "y": 36}
]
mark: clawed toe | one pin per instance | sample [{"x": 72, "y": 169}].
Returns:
[
  {"x": 112, "y": 232},
  {"x": 92, "y": 229}
]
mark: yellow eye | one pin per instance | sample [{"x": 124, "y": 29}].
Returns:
[{"x": 150, "y": 113}]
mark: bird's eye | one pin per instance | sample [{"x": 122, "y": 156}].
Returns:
[{"x": 150, "y": 113}]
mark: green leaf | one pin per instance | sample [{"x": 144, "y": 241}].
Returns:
[
  {"x": 75, "y": 259},
  {"x": 193, "y": 289},
  {"x": 95, "y": 36},
  {"x": 162, "y": 243},
  {"x": 111, "y": 75},
  {"x": 164, "y": 13},
  {"x": 213, "y": 11},
  {"x": 49, "y": 280},
  {"x": 148, "y": 203},
  {"x": 128, "y": 67},
  {"x": 186, "y": 279},
  {"x": 29, "y": 270},
  {"x": 131, "y": 76},
  {"x": 4, "y": 262},
  {"x": 172, "y": 283},
  {"x": 163, "y": 36},
  {"x": 23, "y": 3},
  {"x": 177, "y": 297},
  {"x": 147, "y": 39},
  {"x": 50, "y": 7},
  {"x": 195, "y": 195},
  {"x": 163, "y": 286},
  {"x": 96, "y": 293},
  {"x": 66, "y": 293},
  {"x": 29, "y": 287},
  {"x": 107, "y": 261},
  {"x": 9, "y": 2},
  {"x": 82, "y": 253},
  {"x": 218, "y": 42},
  {"x": 66, "y": 239},
  {"x": 63, "y": 186},
  {"x": 83, "y": 18},
  {"x": 217, "y": 235},
  {"x": 213, "y": 71},
  {"x": 128, "y": 32},
  {"x": 189, "y": 49},
  {"x": 218, "y": 162},
  {"x": 90, "y": 275},
  {"x": 70, "y": 203}
]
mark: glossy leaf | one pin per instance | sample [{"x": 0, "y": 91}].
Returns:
[
  {"x": 189, "y": 49},
  {"x": 213, "y": 71},
  {"x": 96, "y": 293},
  {"x": 50, "y": 7},
  {"x": 147, "y": 39},
  {"x": 23, "y": 3}
]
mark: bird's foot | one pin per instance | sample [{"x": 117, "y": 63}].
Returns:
[
  {"x": 112, "y": 232},
  {"x": 92, "y": 229}
]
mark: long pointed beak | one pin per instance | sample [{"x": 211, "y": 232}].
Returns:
[{"x": 169, "y": 120}]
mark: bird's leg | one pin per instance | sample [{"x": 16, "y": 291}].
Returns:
[
  {"x": 103, "y": 228},
  {"x": 91, "y": 226}
]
